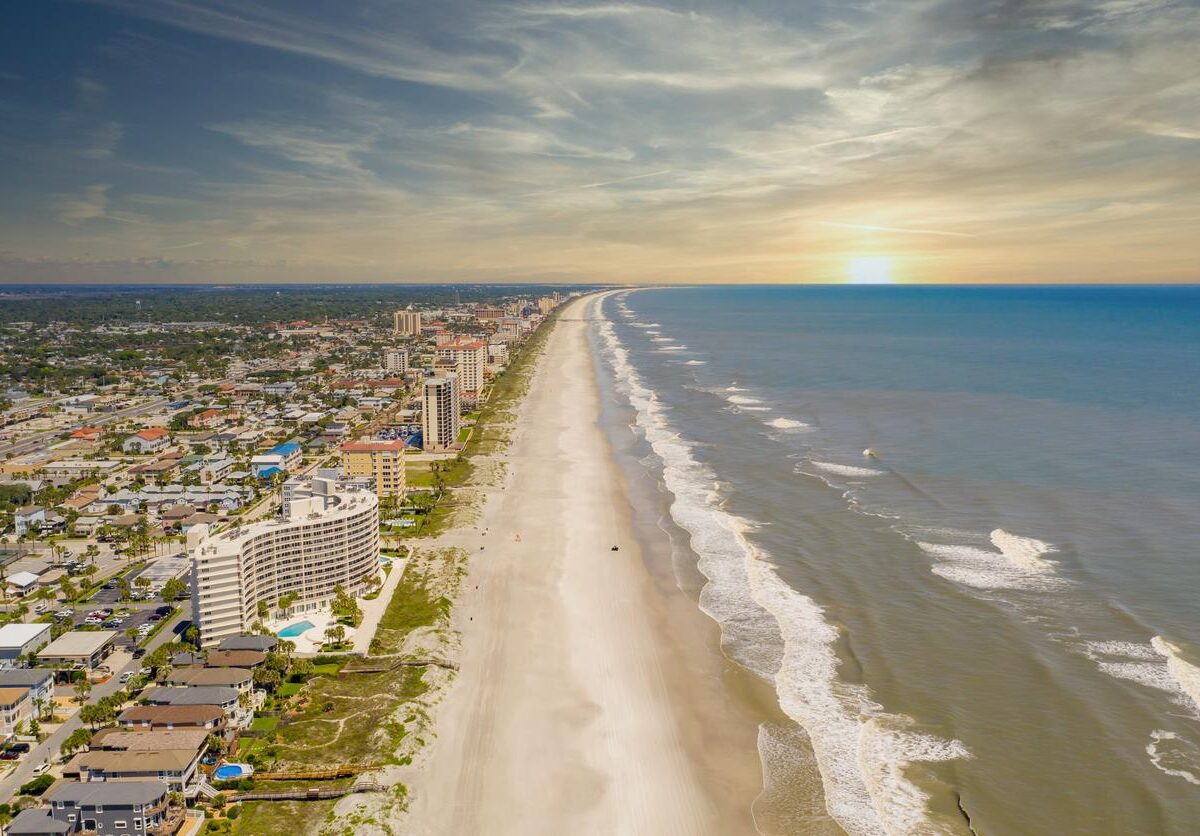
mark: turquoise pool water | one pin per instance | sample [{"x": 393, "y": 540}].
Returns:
[
  {"x": 297, "y": 629},
  {"x": 231, "y": 771}
]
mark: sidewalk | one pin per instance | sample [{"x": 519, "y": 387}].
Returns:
[{"x": 373, "y": 610}]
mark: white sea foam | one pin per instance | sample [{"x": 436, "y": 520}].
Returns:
[
  {"x": 1185, "y": 675},
  {"x": 742, "y": 400},
  {"x": 847, "y": 469},
  {"x": 782, "y": 636},
  {"x": 662, "y": 339},
  {"x": 1126, "y": 650},
  {"x": 981, "y": 568},
  {"x": 697, "y": 362},
  {"x": 673, "y": 348},
  {"x": 788, "y": 424},
  {"x": 1023, "y": 552},
  {"x": 1173, "y": 755}
]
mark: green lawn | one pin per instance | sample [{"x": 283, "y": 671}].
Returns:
[
  {"x": 282, "y": 818},
  {"x": 289, "y": 689},
  {"x": 266, "y": 724}
]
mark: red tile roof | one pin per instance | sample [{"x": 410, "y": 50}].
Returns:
[{"x": 372, "y": 446}]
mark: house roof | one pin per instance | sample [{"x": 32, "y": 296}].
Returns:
[
  {"x": 156, "y": 740},
  {"x": 24, "y": 677},
  {"x": 172, "y": 714},
  {"x": 36, "y": 822},
  {"x": 195, "y": 677},
  {"x": 12, "y": 696},
  {"x": 17, "y": 635},
  {"x": 202, "y": 695},
  {"x": 152, "y": 434},
  {"x": 22, "y": 579},
  {"x": 78, "y": 643},
  {"x": 159, "y": 760},
  {"x": 373, "y": 446},
  {"x": 263, "y": 644},
  {"x": 235, "y": 659}
]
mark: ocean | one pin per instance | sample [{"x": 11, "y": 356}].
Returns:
[{"x": 955, "y": 530}]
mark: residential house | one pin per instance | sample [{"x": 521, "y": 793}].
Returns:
[
  {"x": 147, "y": 441},
  {"x": 28, "y": 520},
  {"x": 208, "y": 717}
]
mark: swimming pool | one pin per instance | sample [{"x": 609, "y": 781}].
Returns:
[
  {"x": 297, "y": 629},
  {"x": 233, "y": 771}
]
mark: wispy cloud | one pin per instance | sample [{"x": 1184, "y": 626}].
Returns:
[{"x": 761, "y": 140}]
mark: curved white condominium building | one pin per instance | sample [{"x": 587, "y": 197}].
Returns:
[{"x": 329, "y": 538}]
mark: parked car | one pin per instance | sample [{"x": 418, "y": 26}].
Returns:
[
  {"x": 125, "y": 677},
  {"x": 139, "y": 653},
  {"x": 41, "y": 769},
  {"x": 9, "y": 755},
  {"x": 19, "y": 748}
]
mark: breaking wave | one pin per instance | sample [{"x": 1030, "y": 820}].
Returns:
[
  {"x": 788, "y": 424},
  {"x": 782, "y": 636},
  {"x": 847, "y": 470}
]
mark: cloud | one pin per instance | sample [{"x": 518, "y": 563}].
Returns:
[
  {"x": 89, "y": 205},
  {"x": 760, "y": 140}
]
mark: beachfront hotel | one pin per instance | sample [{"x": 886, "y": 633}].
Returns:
[
  {"x": 407, "y": 323},
  {"x": 328, "y": 538},
  {"x": 440, "y": 418},
  {"x": 471, "y": 357},
  {"x": 380, "y": 461}
]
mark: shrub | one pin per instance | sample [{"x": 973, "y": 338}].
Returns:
[
  {"x": 38, "y": 785},
  {"x": 234, "y": 811}
]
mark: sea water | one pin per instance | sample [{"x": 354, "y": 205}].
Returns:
[{"x": 956, "y": 529}]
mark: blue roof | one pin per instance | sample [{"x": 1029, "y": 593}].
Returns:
[
  {"x": 267, "y": 473},
  {"x": 285, "y": 449}
]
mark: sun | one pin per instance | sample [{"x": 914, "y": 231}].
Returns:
[{"x": 870, "y": 269}]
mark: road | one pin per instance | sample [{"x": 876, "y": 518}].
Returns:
[
  {"x": 26, "y": 445},
  {"x": 49, "y": 747}
]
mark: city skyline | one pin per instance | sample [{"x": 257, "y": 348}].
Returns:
[{"x": 164, "y": 141}]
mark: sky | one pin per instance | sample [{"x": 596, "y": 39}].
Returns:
[{"x": 754, "y": 141}]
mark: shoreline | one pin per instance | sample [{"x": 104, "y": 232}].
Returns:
[{"x": 588, "y": 699}]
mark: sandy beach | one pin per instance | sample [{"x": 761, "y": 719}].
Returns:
[{"x": 583, "y": 705}]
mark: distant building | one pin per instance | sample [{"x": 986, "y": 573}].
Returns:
[
  {"x": 440, "y": 419},
  {"x": 395, "y": 360},
  {"x": 283, "y": 457},
  {"x": 483, "y": 313},
  {"x": 407, "y": 323},
  {"x": 472, "y": 357},
  {"x": 381, "y": 461}
]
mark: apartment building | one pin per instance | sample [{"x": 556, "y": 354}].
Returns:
[
  {"x": 471, "y": 355},
  {"x": 440, "y": 416},
  {"x": 381, "y": 461},
  {"x": 395, "y": 361},
  {"x": 407, "y": 323},
  {"x": 329, "y": 538}
]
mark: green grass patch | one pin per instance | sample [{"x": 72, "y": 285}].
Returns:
[
  {"x": 288, "y": 689},
  {"x": 283, "y": 818},
  {"x": 266, "y": 724}
]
